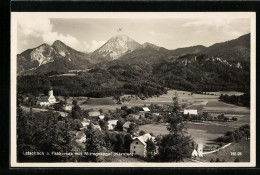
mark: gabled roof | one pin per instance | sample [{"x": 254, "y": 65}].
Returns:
[
  {"x": 101, "y": 117},
  {"x": 144, "y": 138},
  {"x": 146, "y": 109},
  {"x": 140, "y": 139},
  {"x": 94, "y": 113},
  {"x": 126, "y": 125}
]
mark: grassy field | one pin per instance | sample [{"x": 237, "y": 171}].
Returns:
[
  {"x": 242, "y": 147},
  {"x": 199, "y": 132}
]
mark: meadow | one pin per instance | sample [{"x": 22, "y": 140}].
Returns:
[{"x": 199, "y": 132}]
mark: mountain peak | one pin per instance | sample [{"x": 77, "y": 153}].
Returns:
[
  {"x": 116, "y": 46},
  {"x": 58, "y": 42}
]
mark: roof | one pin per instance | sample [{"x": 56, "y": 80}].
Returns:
[
  {"x": 97, "y": 127},
  {"x": 134, "y": 115},
  {"x": 190, "y": 111},
  {"x": 126, "y": 125},
  {"x": 112, "y": 122},
  {"x": 94, "y": 113},
  {"x": 144, "y": 138},
  {"x": 101, "y": 117},
  {"x": 80, "y": 134},
  {"x": 139, "y": 139},
  {"x": 43, "y": 99},
  {"x": 146, "y": 109},
  {"x": 85, "y": 123}
]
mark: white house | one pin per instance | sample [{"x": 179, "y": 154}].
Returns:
[
  {"x": 190, "y": 111},
  {"x": 145, "y": 109},
  {"x": 138, "y": 145},
  {"x": 85, "y": 122},
  {"x": 94, "y": 114},
  {"x": 112, "y": 124}
]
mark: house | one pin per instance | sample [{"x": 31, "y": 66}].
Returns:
[
  {"x": 85, "y": 122},
  {"x": 126, "y": 126},
  {"x": 145, "y": 109},
  {"x": 97, "y": 127},
  {"x": 94, "y": 114},
  {"x": 67, "y": 107},
  {"x": 194, "y": 153},
  {"x": 138, "y": 145},
  {"x": 135, "y": 116},
  {"x": 101, "y": 117},
  {"x": 80, "y": 137},
  {"x": 112, "y": 124},
  {"x": 47, "y": 101},
  {"x": 190, "y": 111}
]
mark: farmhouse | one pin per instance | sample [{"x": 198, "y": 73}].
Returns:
[
  {"x": 138, "y": 145},
  {"x": 190, "y": 111},
  {"x": 145, "y": 109},
  {"x": 94, "y": 114},
  {"x": 112, "y": 124},
  {"x": 46, "y": 101}
]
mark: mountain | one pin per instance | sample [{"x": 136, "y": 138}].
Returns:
[
  {"x": 235, "y": 50},
  {"x": 146, "y": 44},
  {"x": 59, "y": 53},
  {"x": 115, "y": 47},
  {"x": 187, "y": 50}
]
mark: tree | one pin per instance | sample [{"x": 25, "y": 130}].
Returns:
[
  {"x": 127, "y": 141},
  {"x": 76, "y": 111},
  {"x": 150, "y": 148},
  {"x": 92, "y": 144},
  {"x": 119, "y": 144},
  {"x": 119, "y": 125},
  {"x": 175, "y": 146},
  {"x": 76, "y": 124},
  {"x": 103, "y": 124},
  {"x": 142, "y": 133},
  {"x": 43, "y": 132},
  {"x": 133, "y": 128},
  {"x": 57, "y": 107}
]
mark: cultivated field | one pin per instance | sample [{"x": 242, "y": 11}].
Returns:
[{"x": 199, "y": 132}]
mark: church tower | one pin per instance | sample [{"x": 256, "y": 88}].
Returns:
[{"x": 51, "y": 97}]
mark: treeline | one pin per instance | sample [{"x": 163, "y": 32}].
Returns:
[
  {"x": 96, "y": 83},
  {"x": 184, "y": 73},
  {"x": 235, "y": 136},
  {"x": 240, "y": 100}
]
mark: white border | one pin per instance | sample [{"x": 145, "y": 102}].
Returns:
[{"x": 154, "y": 15}]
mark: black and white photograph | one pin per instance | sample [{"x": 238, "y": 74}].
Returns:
[{"x": 133, "y": 89}]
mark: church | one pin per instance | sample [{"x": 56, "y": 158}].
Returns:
[{"x": 47, "y": 101}]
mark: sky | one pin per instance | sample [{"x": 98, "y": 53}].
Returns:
[{"x": 88, "y": 34}]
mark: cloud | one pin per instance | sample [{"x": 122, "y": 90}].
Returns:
[
  {"x": 90, "y": 47},
  {"x": 30, "y": 29}
]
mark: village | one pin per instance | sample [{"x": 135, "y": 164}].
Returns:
[{"x": 131, "y": 120}]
